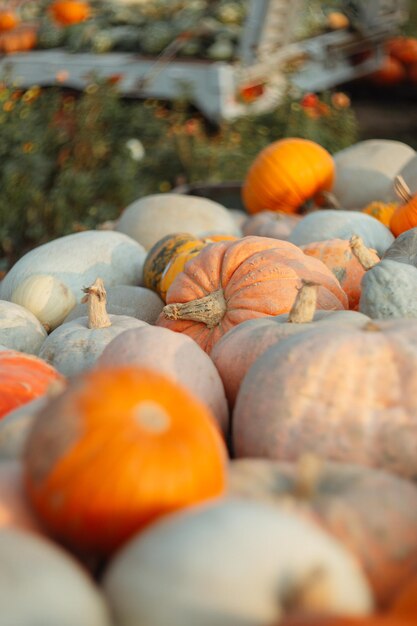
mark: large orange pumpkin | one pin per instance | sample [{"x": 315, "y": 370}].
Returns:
[
  {"x": 118, "y": 449},
  {"x": 68, "y": 12},
  {"x": 23, "y": 377},
  {"x": 230, "y": 282},
  {"x": 286, "y": 174}
]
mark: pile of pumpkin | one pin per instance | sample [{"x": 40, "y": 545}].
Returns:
[
  {"x": 400, "y": 63},
  {"x": 209, "y": 417}
]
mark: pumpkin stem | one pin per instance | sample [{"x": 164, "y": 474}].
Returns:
[
  {"x": 209, "y": 310},
  {"x": 96, "y": 301},
  {"x": 402, "y": 189},
  {"x": 304, "y": 307},
  {"x": 331, "y": 202},
  {"x": 309, "y": 470},
  {"x": 371, "y": 326},
  {"x": 362, "y": 253},
  {"x": 310, "y": 594}
]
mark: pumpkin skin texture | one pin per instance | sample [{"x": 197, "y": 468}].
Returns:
[
  {"x": 23, "y": 377},
  {"x": 198, "y": 560},
  {"x": 276, "y": 224},
  {"x": 149, "y": 219},
  {"x": 160, "y": 255},
  {"x": 336, "y": 224},
  {"x": 175, "y": 355},
  {"x": 367, "y": 417},
  {"x": 129, "y": 300},
  {"x": 339, "y": 258},
  {"x": 20, "y": 329},
  {"x": 163, "y": 446},
  {"x": 404, "y": 248},
  {"x": 252, "y": 277},
  {"x": 54, "y": 589},
  {"x": 14, "y": 508},
  {"x": 388, "y": 291},
  {"x": 286, "y": 174},
  {"x": 15, "y": 426},
  {"x": 373, "y": 513},
  {"x": 236, "y": 352}
]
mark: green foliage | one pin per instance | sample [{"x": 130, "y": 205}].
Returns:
[{"x": 72, "y": 161}]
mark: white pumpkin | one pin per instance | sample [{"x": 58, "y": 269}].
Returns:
[
  {"x": 409, "y": 174},
  {"x": 229, "y": 563},
  {"x": 75, "y": 346},
  {"x": 73, "y": 262},
  {"x": 20, "y": 329},
  {"x": 15, "y": 426},
  {"x": 149, "y": 219},
  {"x": 139, "y": 302},
  {"x": 365, "y": 171},
  {"x": 42, "y": 585}
]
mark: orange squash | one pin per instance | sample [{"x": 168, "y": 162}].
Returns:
[
  {"x": 337, "y": 255},
  {"x": 23, "y": 377},
  {"x": 118, "y": 449},
  {"x": 68, "y": 12},
  {"x": 286, "y": 174},
  {"x": 230, "y": 282},
  {"x": 8, "y": 20}
]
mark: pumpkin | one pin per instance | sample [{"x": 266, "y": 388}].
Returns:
[
  {"x": 14, "y": 426},
  {"x": 14, "y": 508},
  {"x": 162, "y": 446},
  {"x": 73, "y": 262},
  {"x": 21, "y": 38},
  {"x": 404, "y": 248},
  {"x": 405, "y": 216},
  {"x": 405, "y": 602},
  {"x": 23, "y": 377},
  {"x": 370, "y": 620},
  {"x": 8, "y": 20},
  {"x": 286, "y": 174},
  {"x": 336, "y": 224},
  {"x": 275, "y": 224},
  {"x": 404, "y": 49},
  {"x": 337, "y": 255},
  {"x": 75, "y": 346},
  {"x": 382, "y": 211},
  {"x": 391, "y": 72},
  {"x": 151, "y": 218},
  {"x": 228, "y": 283},
  {"x": 138, "y": 302},
  {"x": 238, "y": 349},
  {"x": 373, "y": 513},
  {"x": 54, "y": 589},
  {"x": 408, "y": 173},
  {"x": 341, "y": 398},
  {"x": 175, "y": 355},
  {"x": 20, "y": 329},
  {"x": 68, "y": 12},
  {"x": 365, "y": 171},
  {"x": 388, "y": 290},
  {"x": 232, "y": 562}
]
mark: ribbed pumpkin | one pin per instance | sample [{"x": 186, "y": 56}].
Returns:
[
  {"x": 405, "y": 216},
  {"x": 337, "y": 255},
  {"x": 22, "y": 378},
  {"x": 68, "y": 12},
  {"x": 382, "y": 211},
  {"x": 116, "y": 450},
  {"x": 228, "y": 283},
  {"x": 286, "y": 174}
]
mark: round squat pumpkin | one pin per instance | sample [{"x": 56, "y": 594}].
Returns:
[
  {"x": 116, "y": 450},
  {"x": 286, "y": 174}
]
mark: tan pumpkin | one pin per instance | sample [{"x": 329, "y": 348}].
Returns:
[
  {"x": 228, "y": 283},
  {"x": 373, "y": 513}
]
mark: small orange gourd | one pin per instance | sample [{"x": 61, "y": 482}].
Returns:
[
  {"x": 286, "y": 174},
  {"x": 69, "y": 12},
  {"x": 8, "y": 20},
  {"x": 382, "y": 211},
  {"x": 119, "y": 448}
]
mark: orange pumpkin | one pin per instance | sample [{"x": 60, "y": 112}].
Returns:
[
  {"x": 337, "y": 255},
  {"x": 116, "y": 450},
  {"x": 8, "y": 20},
  {"x": 23, "y": 377},
  {"x": 230, "y": 282},
  {"x": 405, "y": 604},
  {"x": 286, "y": 174},
  {"x": 68, "y": 12},
  {"x": 392, "y": 72},
  {"x": 382, "y": 211},
  {"x": 370, "y": 620},
  {"x": 404, "y": 49},
  {"x": 22, "y": 38},
  {"x": 405, "y": 216}
]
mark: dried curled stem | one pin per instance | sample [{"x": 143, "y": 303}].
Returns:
[
  {"x": 96, "y": 299},
  {"x": 309, "y": 472},
  {"x": 362, "y": 253},
  {"x": 402, "y": 189},
  {"x": 209, "y": 310},
  {"x": 305, "y": 304}
]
